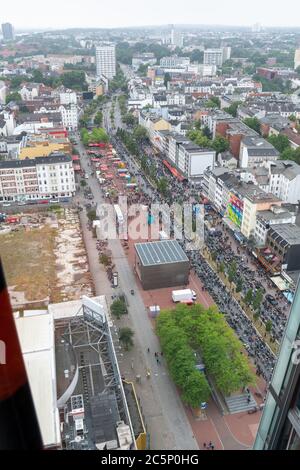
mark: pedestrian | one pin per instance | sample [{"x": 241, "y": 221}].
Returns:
[
  {"x": 148, "y": 350},
  {"x": 161, "y": 354},
  {"x": 204, "y": 445},
  {"x": 155, "y": 354}
]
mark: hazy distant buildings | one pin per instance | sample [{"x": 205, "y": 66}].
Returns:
[
  {"x": 226, "y": 53},
  {"x": 7, "y": 31},
  {"x": 213, "y": 57},
  {"x": 106, "y": 60},
  {"x": 174, "y": 62},
  {"x": 297, "y": 59},
  {"x": 145, "y": 58},
  {"x": 256, "y": 28},
  {"x": 176, "y": 37}
]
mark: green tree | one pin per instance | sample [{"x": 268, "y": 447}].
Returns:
[
  {"x": 196, "y": 389},
  {"x": 129, "y": 119},
  {"x": 220, "y": 144},
  {"x": 280, "y": 142},
  {"x": 258, "y": 298},
  {"x": 239, "y": 285},
  {"x": 140, "y": 133},
  {"x": 83, "y": 183},
  {"x": 37, "y": 76},
  {"x": 221, "y": 267},
  {"x": 213, "y": 102},
  {"x": 98, "y": 135},
  {"x": 74, "y": 80},
  {"x": 167, "y": 79},
  {"x": 98, "y": 118},
  {"x": 269, "y": 326},
  {"x": 232, "y": 271},
  {"x": 118, "y": 308},
  {"x": 232, "y": 109},
  {"x": 198, "y": 138},
  {"x": 249, "y": 297},
  {"x": 253, "y": 123},
  {"x": 15, "y": 96},
  {"x": 126, "y": 337},
  {"x": 196, "y": 55},
  {"x": 92, "y": 214},
  {"x": 162, "y": 186}
]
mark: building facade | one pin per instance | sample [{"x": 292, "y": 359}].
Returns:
[
  {"x": 106, "y": 60},
  {"x": 7, "y": 32},
  {"x": 279, "y": 427},
  {"x": 39, "y": 178},
  {"x": 213, "y": 57}
]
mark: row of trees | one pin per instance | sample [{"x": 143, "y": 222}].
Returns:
[
  {"x": 97, "y": 135},
  {"x": 181, "y": 360},
  {"x": 196, "y": 330}
]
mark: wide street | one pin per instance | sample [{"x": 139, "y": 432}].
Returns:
[{"x": 164, "y": 413}]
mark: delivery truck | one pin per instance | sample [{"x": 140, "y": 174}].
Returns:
[{"x": 184, "y": 295}]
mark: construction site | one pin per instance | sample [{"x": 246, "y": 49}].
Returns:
[
  {"x": 81, "y": 401},
  {"x": 44, "y": 257}
]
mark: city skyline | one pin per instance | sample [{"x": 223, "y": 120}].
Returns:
[{"x": 121, "y": 14}]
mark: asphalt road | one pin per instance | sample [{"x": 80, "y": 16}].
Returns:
[{"x": 164, "y": 413}]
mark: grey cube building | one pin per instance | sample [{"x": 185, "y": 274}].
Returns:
[{"x": 161, "y": 264}]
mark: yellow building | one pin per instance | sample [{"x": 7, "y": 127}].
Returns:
[{"x": 43, "y": 146}]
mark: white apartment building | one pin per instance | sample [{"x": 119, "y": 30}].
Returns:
[
  {"x": 7, "y": 124},
  {"x": 29, "y": 91},
  {"x": 68, "y": 97},
  {"x": 174, "y": 62},
  {"x": 213, "y": 57},
  {"x": 265, "y": 219},
  {"x": 69, "y": 116},
  {"x": 189, "y": 158},
  {"x": 176, "y": 38},
  {"x": 39, "y": 178},
  {"x": 106, "y": 60},
  {"x": 297, "y": 59},
  {"x": 3, "y": 90},
  {"x": 254, "y": 151}
]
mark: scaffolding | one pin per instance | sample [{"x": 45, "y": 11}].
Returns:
[{"x": 89, "y": 335}]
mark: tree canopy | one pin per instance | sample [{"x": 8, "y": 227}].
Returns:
[
  {"x": 253, "y": 123},
  {"x": 186, "y": 332}
]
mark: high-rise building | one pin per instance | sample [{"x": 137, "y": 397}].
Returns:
[
  {"x": 176, "y": 37},
  {"x": 297, "y": 59},
  {"x": 106, "y": 60},
  {"x": 7, "y": 31},
  {"x": 280, "y": 423},
  {"x": 226, "y": 53},
  {"x": 213, "y": 57}
]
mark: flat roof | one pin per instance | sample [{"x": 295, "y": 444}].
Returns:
[
  {"x": 160, "y": 252},
  {"x": 36, "y": 335},
  {"x": 289, "y": 233}
]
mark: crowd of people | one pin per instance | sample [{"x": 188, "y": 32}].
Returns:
[{"x": 254, "y": 279}]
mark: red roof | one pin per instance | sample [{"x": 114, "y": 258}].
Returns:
[
  {"x": 173, "y": 170},
  {"x": 75, "y": 158},
  {"x": 77, "y": 167}
]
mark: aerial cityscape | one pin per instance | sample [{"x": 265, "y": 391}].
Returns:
[{"x": 149, "y": 229}]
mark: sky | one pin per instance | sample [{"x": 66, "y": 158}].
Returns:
[{"x": 59, "y": 14}]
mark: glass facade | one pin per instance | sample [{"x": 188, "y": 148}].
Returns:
[{"x": 280, "y": 423}]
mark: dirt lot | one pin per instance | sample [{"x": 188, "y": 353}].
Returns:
[
  {"x": 28, "y": 261},
  {"x": 45, "y": 260}
]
